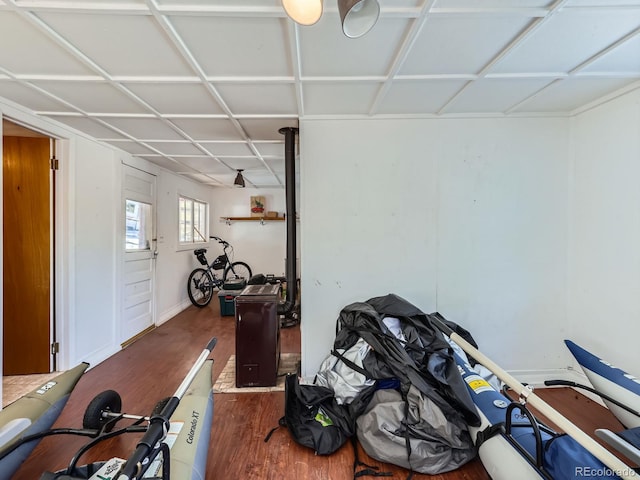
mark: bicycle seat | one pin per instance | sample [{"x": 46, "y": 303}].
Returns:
[{"x": 200, "y": 251}]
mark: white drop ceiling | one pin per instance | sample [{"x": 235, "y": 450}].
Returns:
[{"x": 201, "y": 87}]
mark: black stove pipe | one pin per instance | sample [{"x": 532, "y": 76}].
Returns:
[{"x": 287, "y": 307}]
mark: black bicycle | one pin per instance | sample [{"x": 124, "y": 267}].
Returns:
[{"x": 203, "y": 281}]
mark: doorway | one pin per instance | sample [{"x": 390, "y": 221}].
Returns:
[{"x": 27, "y": 248}]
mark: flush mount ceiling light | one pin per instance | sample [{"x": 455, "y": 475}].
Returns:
[
  {"x": 239, "y": 181},
  {"x": 357, "y": 16},
  {"x": 304, "y": 12}
]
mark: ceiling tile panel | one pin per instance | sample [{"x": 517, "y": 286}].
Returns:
[
  {"x": 625, "y": 58},
  {"x": 227, "y": 148},
  {"x": 267, "y": 129},
  {"x": 443, "y": 45},
  {"x": 568, "y": 39},
  {"x": 274, "y": 99},
  {"x": 94, "y": 97},
  {"x": 601, "y": 3},
  {"x": 201, "y": 178},
  {"x": 248, "y": 164},
  {"x": 176, "y": 98},
  {"x": 493, "y": 3},
  {"x": 120, "y": 44},
  {"x": 572, "y": 93},
  {"x": 236, "y": 3},
  {"x": 326, "y": 51},
  {"x": 164, "y": 163},
  {"x": 132, "y": 147},
  {"x": 32, "y": 51},
  {"x": 232, "y": 46},
  {"x": 144, "y": 128},
  {"x": 495, "y": 95},
  {"x": 208, "y": 128},
  {"x": 262, "y": 179},
  {"x": 90, "y": 127},
  {"x": 176, "y": 148},
  {"x": 30, "y": 97},
  {"x": 270, "y": 149},
  {"x": 277, "y": 165},
  {"x": 419, "y": 97},
  {"x": 206, "y": 164},
  {"x": 339, "y": 98}
]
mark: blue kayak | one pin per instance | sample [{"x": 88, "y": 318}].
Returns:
[
  {"x": 611, "y": 381},
  {"x": 512, "y": 444}
]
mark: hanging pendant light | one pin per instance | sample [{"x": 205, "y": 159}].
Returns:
[
  {"x": 358, "y": 16},
  {"x": 304, "y": 12},
  {"x": 239, "y": 181}
]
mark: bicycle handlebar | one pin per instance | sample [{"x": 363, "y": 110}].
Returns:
[{"x": 219, "y": 240}]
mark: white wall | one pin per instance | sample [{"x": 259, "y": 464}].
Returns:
[
  {"x": 467, "y": 217},
  {"x": 174, "y": 263},
  {"x": 604, "y": 248},
  {"x": 260, "y": 246},
  {"x": 96, "y": 187}
]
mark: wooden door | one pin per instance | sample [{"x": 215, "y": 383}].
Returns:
[{"x": 26, "y": 255}]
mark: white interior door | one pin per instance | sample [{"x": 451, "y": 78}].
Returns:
[{"x": 138, "y": 305}]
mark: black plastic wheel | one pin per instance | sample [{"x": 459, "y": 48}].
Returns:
[
  {"x": 237, "y": 270},
  {"x": 107, "y": 401},
  {"x": 200, "y": 287}
]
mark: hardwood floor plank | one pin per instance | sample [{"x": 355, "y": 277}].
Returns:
[{"x": 152, "y": 368}]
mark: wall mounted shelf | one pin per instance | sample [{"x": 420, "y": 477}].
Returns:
[{"x": 262, "y": 220}]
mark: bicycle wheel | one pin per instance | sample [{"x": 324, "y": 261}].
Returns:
[
  {"x": 237, "y": 270},
  {"x": 200, "y": 287}
]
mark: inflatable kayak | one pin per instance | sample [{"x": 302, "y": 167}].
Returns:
[
  {"x": 613, "y": 382},
  {"x": 31, "y": 414},
  {"x": 179, "y": 429},
  {"x": 512, "y": 444},
  {"x": 571, "y": 455},
  {"x": 190, "y": 427}
]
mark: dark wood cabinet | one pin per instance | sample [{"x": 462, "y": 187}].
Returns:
[{"x": 257, "y": 336}]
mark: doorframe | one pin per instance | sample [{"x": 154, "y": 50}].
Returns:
[{"x": 60, "y": 227}]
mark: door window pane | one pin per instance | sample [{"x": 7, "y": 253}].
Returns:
[{"x": 139, "y": 226}]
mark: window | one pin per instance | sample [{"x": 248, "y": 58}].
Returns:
[
  {"x": 193, "y": 225},
  {"x": 138, "y": 225}
]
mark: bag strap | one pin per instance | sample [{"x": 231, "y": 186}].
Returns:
[
  {"x": 350, "y": 364},
  {"x": 281, "y": 423},
  {"x": 407, "y": 437},
  {"x": 370, "y": 470}
]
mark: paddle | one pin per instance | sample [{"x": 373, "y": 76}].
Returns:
[
  {"x": 150, "y": 444},
  {"x": 527, "y": 396}
]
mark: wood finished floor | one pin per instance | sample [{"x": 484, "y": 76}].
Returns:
[{"x": 153, "y": 367}]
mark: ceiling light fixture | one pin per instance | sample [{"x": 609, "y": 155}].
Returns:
[
  {"x": 239, "y": 181},
  {"x": 304, "y": 12},
  {"x": 357, "y": 16}
]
